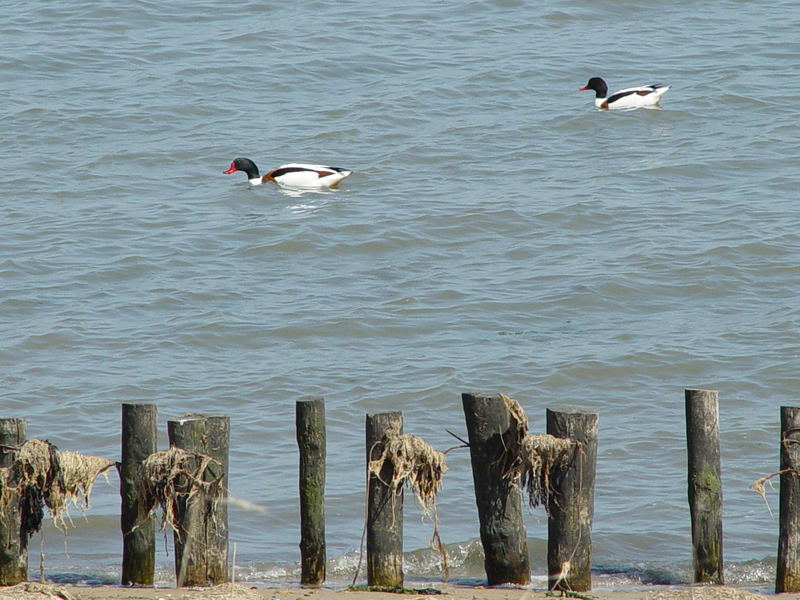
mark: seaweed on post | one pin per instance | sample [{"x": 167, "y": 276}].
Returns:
[
  {"x": 414, "y": 462},
  {"x": 44, "y": 476},
  {"x": 172, "y": 476},
  {"x": 417, "y": 464},
  {"x": 530, "y": 459}
]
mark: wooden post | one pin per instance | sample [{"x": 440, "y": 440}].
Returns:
[
  {"x": 571, "y": 506},
  {"x": 705, "y": 484},
  {"x": 201, "y": 544},
  {"x": 13, "y": 541},
  {"x": 139, "y": 440},
  {"x": 787, "y": 578},
  {"x": 499, "y": 499},
  {"x": 384, "y": 508},
  {"x": 310, "y": 423}
]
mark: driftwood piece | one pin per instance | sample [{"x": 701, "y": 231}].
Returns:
[
  {"x": 311, "y": 442},
  {"x": 13, "y": 541},
  {"x": 201, "y": 537},
  {"x": 493, "y": 427},
  {"x": 139, "y": 439},
  {"x": 705, "y": 484}
]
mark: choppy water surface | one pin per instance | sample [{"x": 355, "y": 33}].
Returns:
[{"x": 498, "y": 233}]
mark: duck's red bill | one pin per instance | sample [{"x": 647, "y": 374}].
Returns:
[{"x": 231, "y": 170}]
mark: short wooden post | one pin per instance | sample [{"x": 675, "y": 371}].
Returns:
[
  {"x": 139, "y": 440},
  {"x": 498, "y": 498},
  {"x": 201, "y": 543},
  {"x": 384, "y": 508},
  {"x": 705, "y": 484},
  {"x": 787, "y": 578},
  {"x": 13, "y": 541},
  {"x": 571, "y": 506},
  {"x": 310, "y": 423}
]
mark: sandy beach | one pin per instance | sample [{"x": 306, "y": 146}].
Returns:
[{"x": 37, "y": 591}]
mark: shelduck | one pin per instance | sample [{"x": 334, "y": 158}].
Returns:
[
  {"x": 635, "y": 97},
  {"x": 292, "y": 174}
]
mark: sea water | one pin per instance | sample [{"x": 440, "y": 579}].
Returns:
[{"x": 498, "y": 234}]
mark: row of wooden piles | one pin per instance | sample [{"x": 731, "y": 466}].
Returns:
[
  {"x": 555, "y": 470},
  {"x": 188, "y": 482}
]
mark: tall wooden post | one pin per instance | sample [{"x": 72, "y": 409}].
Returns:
[
  {"x": 571, "y": 506},
  {"x": 384, "y": 508},
  {"x": 787, "y": 578},
  {"x": 499, "y": 499},
  {"x": 13, "y": 541},
  {"x": 139, "y": 440},
  {"x": 201, "y": 543},
  {"x": 310, "y": 423},
  {"x": 705, "y": 484}
]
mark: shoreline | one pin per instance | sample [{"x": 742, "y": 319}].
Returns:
[{"x": 447, "y": 591}]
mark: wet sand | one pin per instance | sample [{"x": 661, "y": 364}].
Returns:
[{"x": 36, "y": 591}]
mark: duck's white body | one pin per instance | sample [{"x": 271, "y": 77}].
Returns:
[
  {"x": 298, "y": 175},
  {"x": 303, "y": 175},
  {"x": 634, "y": 97}
]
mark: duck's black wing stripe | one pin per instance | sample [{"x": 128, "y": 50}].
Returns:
[
  {"x": 285, "y": 170},
  {"x": 617, "y": 96}
]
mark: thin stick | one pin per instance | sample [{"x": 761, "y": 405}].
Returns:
[
  {"x": 366, "y": 516},
  {"x": 465, "y": 444},
  {"x": 233, "y": 565}
]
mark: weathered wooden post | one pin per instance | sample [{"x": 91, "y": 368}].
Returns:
[
  {"x": 310, "y": 423},
  {"x": 787, "y": 578},
  {"x": 571, "y": 505},
  {"x": 705, "y": 484},
  {"x": 498, "y": 497},
  {"x": 384, "y": 508},
  {"x": 139, "y": 440},
  {"x": 201, "y": 543},
  {"x": 13, "y": 541}
]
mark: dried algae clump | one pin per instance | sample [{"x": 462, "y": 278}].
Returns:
[
  {"x": 80, "y": 471},
  {"x": 171, "y": 478},
  {"x": 44, "y": 476},
  {"x": 414, "y": 462},
  {"x": 759, "y": 485},
  {"x": 35, "y": 476},
  {"x": 418, "y": 464},
  {"x": 539, "y": 455},
  {"x": 530, "y": 459},
  {"x": 519, "y": 420}
]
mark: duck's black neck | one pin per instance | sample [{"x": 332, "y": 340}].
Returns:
[{"x": 250, "y": 168}]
